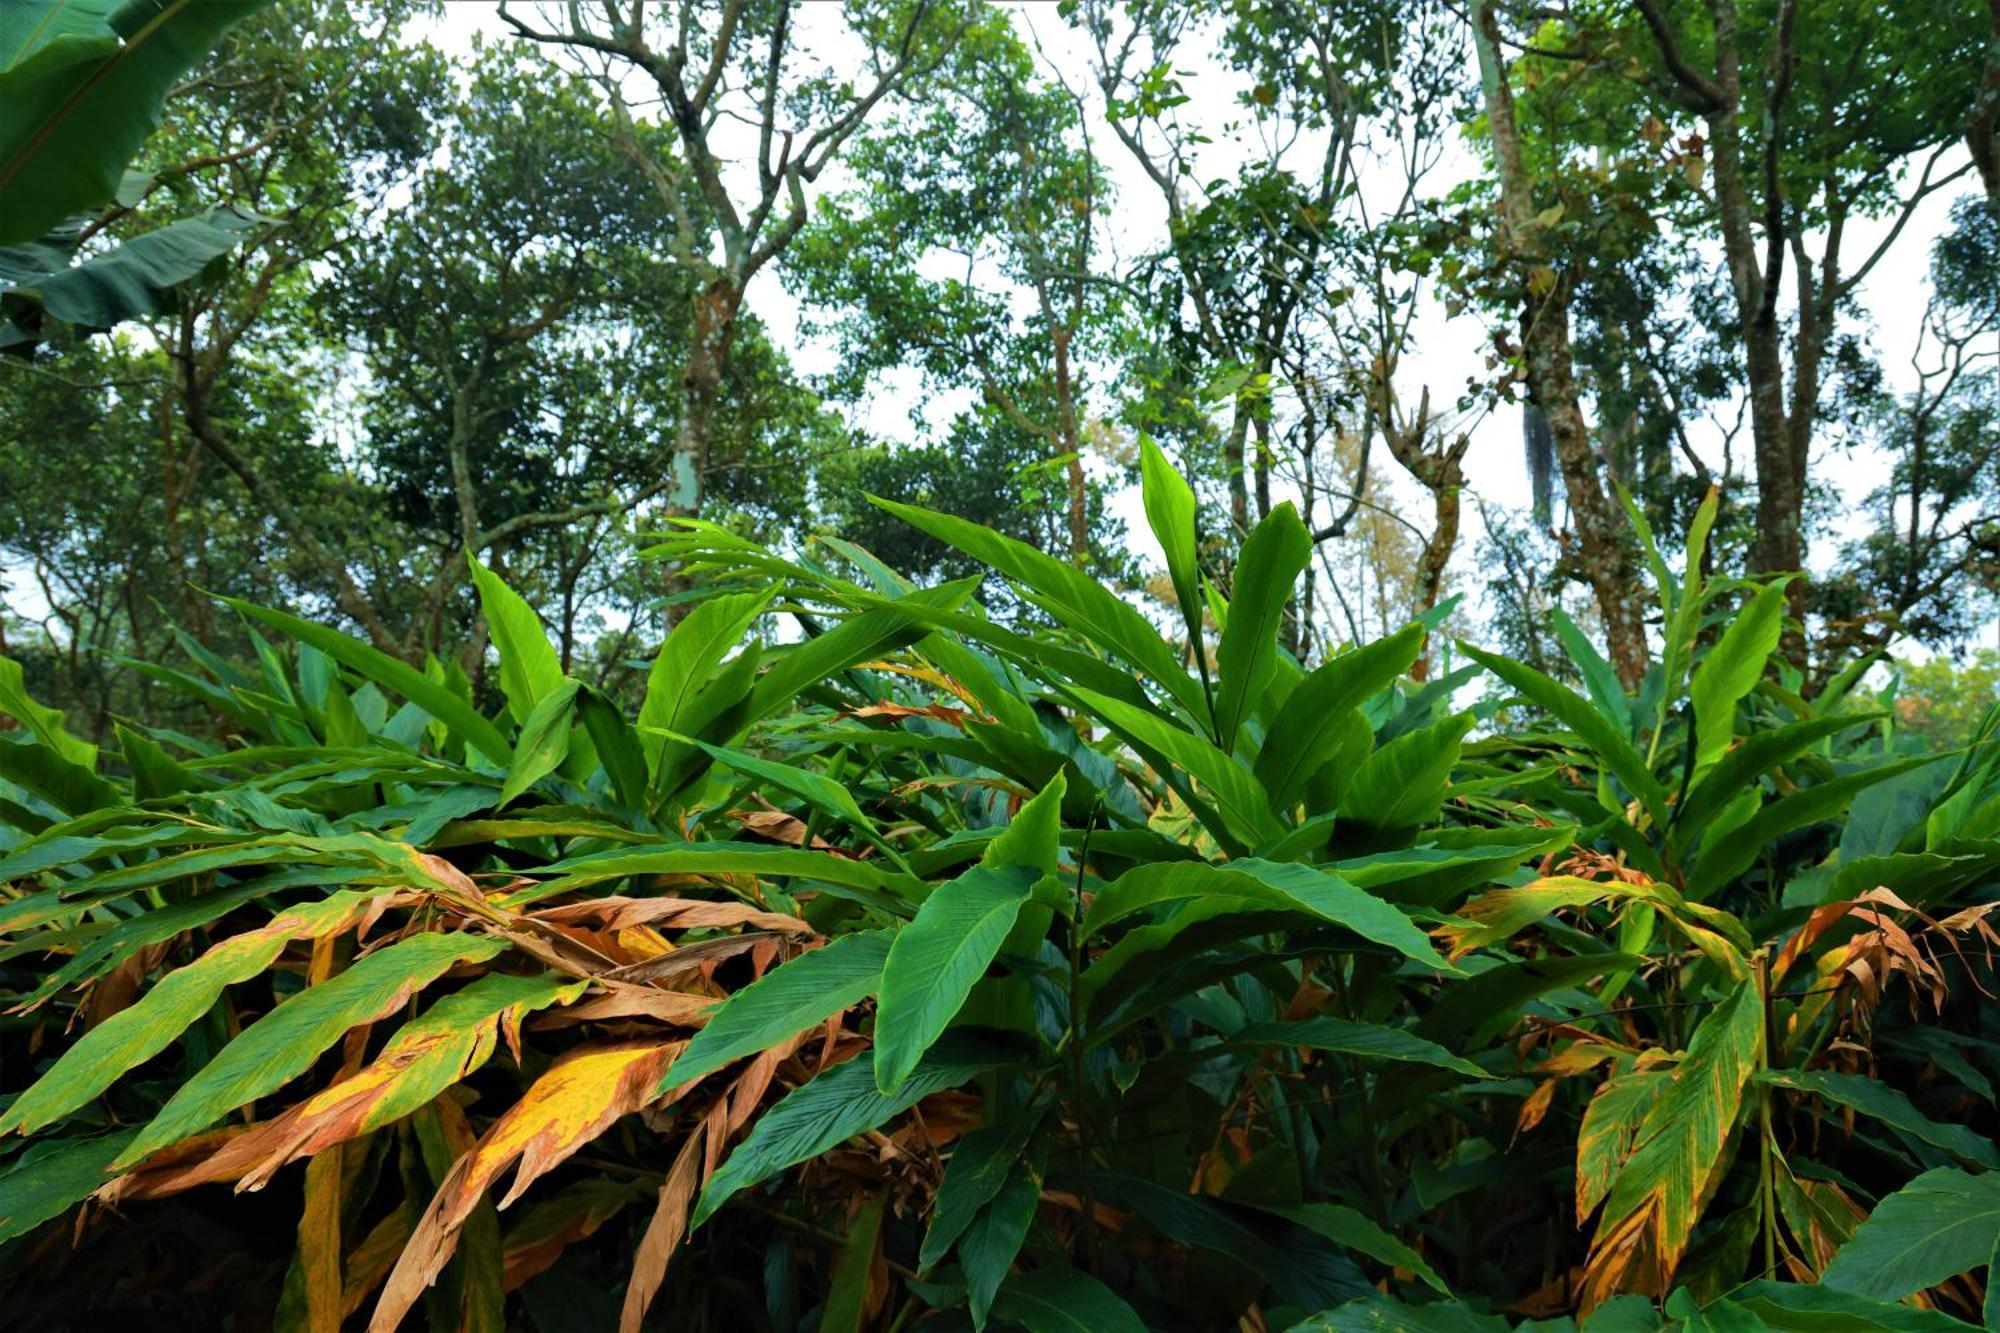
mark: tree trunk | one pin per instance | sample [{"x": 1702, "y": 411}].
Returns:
[
  {"x": 1072, "y": 443},
  {"x": 1232, "y": 465},
  {"x": 715, "y": 310},
  {"x": 1607, "y": 561},
  {"x": 1982, "y": 127},
  {"x": 1552, "y": 375},
  {"x": 1261, "y": 423},
  {"x": 1779, "y": 546}
]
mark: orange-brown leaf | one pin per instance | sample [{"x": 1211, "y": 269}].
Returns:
[
  {"x": 579, "y": 1097},
  {"x": 663, "y": 1233}
]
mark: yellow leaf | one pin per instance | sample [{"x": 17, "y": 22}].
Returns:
[{"x": 579, "y": 1098}]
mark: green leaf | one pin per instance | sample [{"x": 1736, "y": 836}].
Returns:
[
  {"x": 26, "y": 27},
  {"x": 937, "y": 958},
  {"x": 687, "y": 661},
  {"x": 1171, "y": 513},
  {"x": 618, "y": 747},
  {"x": 1401, "y": 785},
  {"x": 42, "y": 770},
  {"x": 1225, "y": 918},
  {"x": 1058, "y": 1299},
  {"x": 847, "y": 1292},
  {"x": 1073, "y": 597},
  {"x": 1732, "y": 669},
  {"x": 1305, "y": 733},
  {"x": 1764, "y": 749},
  {"x": 1943, "y": 1223},
  {"x": 714, "y": 858},
  {"x": 1194, "y": 1219},
  {"x": 283, "y": 1044},
  {"x": 1881, "y": 1102},
  {"x": 1683, "y": 605},
  {"x": 1489, "y": 1000},
  {"x": 782, "y": 1003},
  {"x": 132, "y": 280},
  {"x": 1794, "y": 1307},
  {"x": 1239, "y": 799},
  {"x": 993, "y": 1241},
  {"x": 1345, "y": 1226},
  {"x": 543, "y": 743},
  {"x": 1273, "y": 556},
  {"x": 881, "y": 629},
  {"x": 78, "y": 98},
  {"x": 815, "y": 789},
  {"x": 1327, "y": 1033},
  {"x": 442, "y": 703},
  {"x": 529, "y": 668},
  {"x": 1033, "y": 837},
  {"x": 1721, "y": 862},
  {"x": 1383, "y": 1314},
  {"x": 1606, "y": 691},
  {"x": 979, "y": 1166},
  {"x": 50, "y": 1178},
  {"x": 134, "y": 1035},
  {"x": 45, "y": 724},
  {"x": 832, "y": 1108},
  {"x": 1286, "y": 886},
  {"x": 1606, "y": 743}
]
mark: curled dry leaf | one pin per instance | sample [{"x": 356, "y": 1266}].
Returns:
[
  {"x": 671, "y": 914},
  {"x": 622, "y": 1001},
  {"x": 777, "y": 826},
  {"x": 688, "y": 958},
  {"x": 942, "y": 712},
  {"x": 579, "y": 1098},
  {"x": 664, "y": 1232}
]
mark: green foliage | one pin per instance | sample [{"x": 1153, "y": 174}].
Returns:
[{"x": 996, "y": 953}]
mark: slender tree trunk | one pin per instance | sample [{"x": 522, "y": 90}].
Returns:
[
  {"x": 1779, "y": 546},
  {"x": 1232, "y": 465},
  {"x": 1261, "y": 424},
  {"x": 1072, "y": 443},
  {"x": 1552, "y": 377},
  {"x": 715, "y": 310},
  {"x": 1982, "y": 127}
]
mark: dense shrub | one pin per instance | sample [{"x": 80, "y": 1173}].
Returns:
[{"x": 903, "y": 968}]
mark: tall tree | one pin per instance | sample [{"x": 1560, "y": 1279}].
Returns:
[
  {"x": 1812, "y": 126},
  {"x": 1547, "y": 358},
  {"x": 770, "y": 81},
  {"x": 973, "y": 253}
]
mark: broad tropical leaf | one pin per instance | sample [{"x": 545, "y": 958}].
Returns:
[
  {"x": 1656, "y": 1197},
  {"x": 832, "y": 1108},
  {"x": 784, "y": 1002},
  {"x": 937, "y": 958},
  {"x": 529, "y": 668},
  {"x": 1943, "y": 1223},
  {"x": 1273, "y": 557}
]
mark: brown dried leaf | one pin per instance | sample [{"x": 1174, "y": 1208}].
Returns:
[
  {"x": 672, "y": 914},
  {"x": 663, "y": 1233}
]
